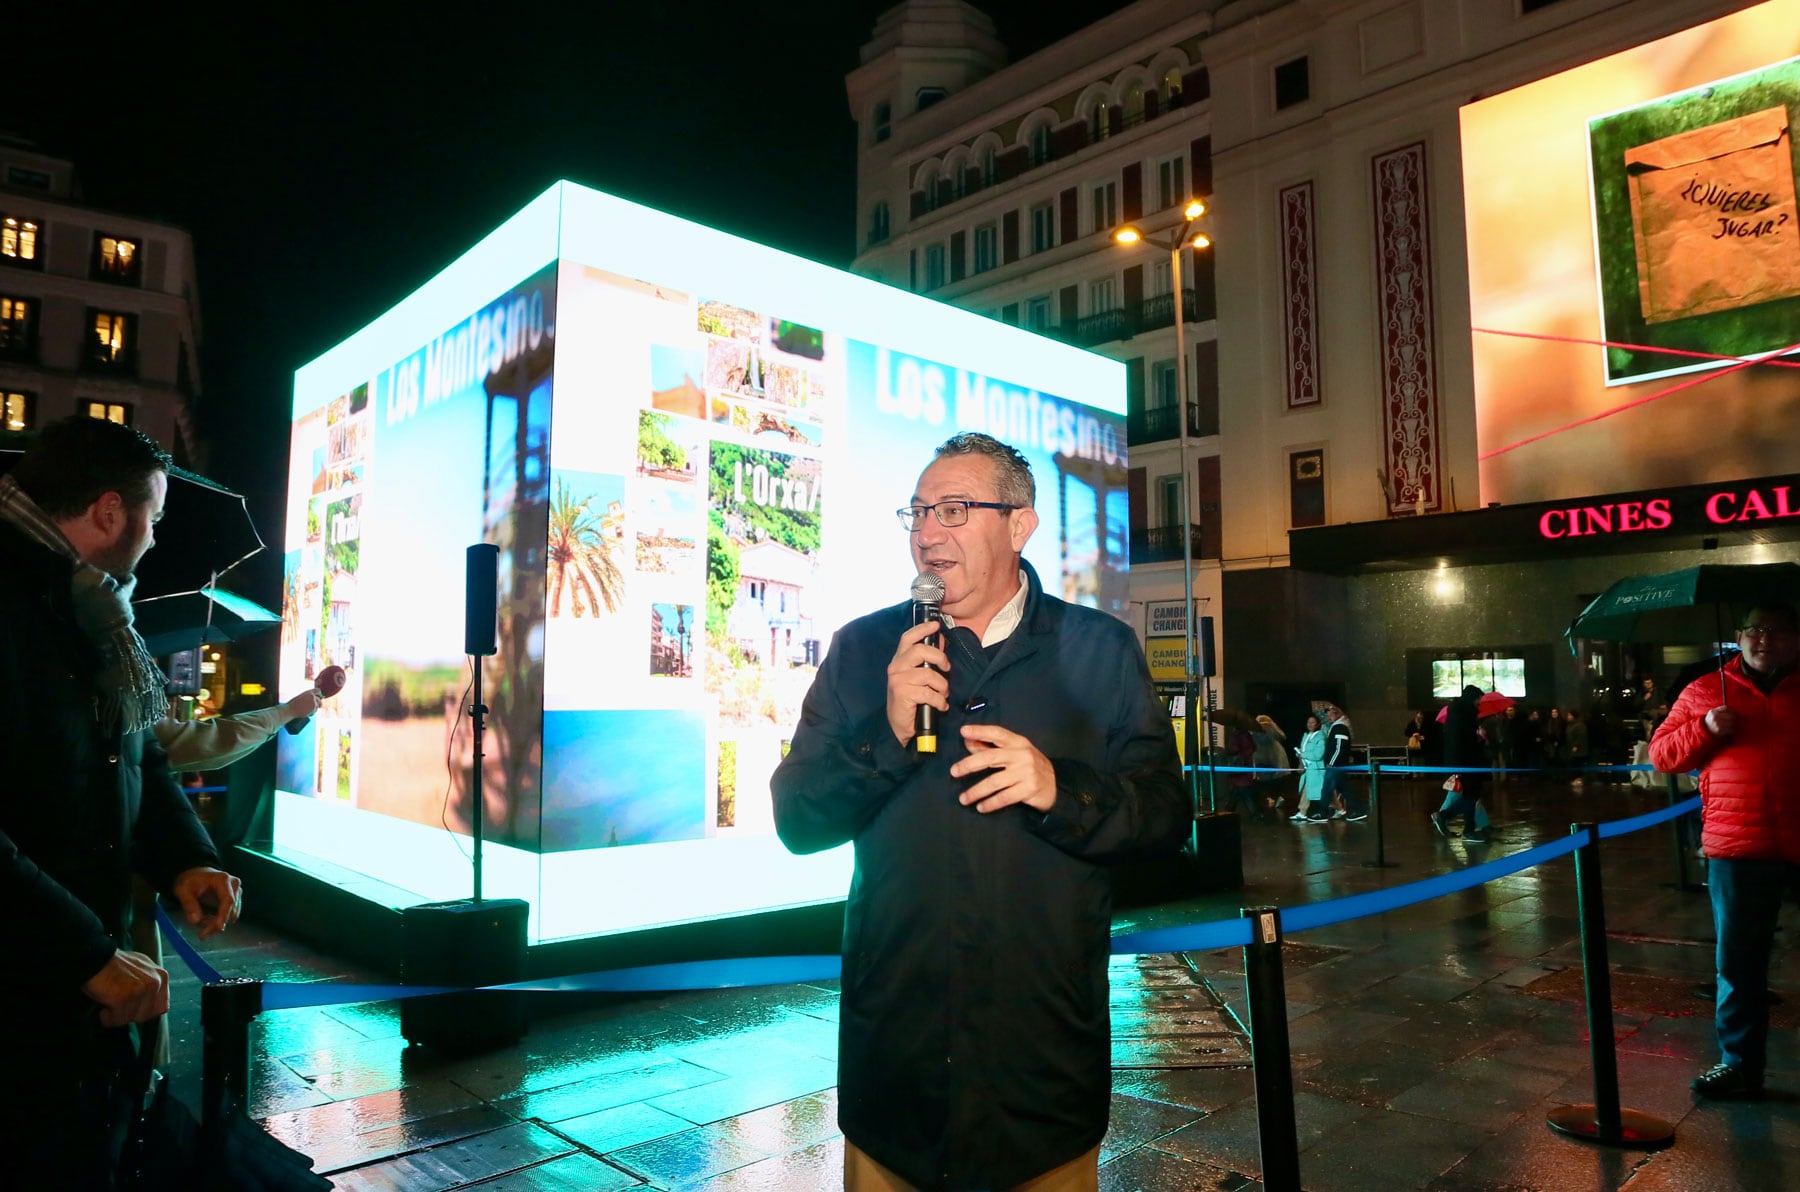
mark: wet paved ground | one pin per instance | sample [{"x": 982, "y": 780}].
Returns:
[{"x": 1428, "y": 1045}]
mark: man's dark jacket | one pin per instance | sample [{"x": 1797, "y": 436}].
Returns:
[
  {"x": 80, "y": 807},
  {"x": 1462, "y": 740},
  {"x": 974, "y": 1036}
]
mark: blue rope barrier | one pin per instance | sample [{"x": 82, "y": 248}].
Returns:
[
  {"x": 196, "y": 963},
  {"x": 1375, "y": 902},
  {"x": 789, "y": 970},
  {"x": 1649, "y": 819},
  {"x": 1403, "y": 768}
]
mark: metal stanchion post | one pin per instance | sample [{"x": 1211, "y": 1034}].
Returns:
[
  {"x": 1266, "y": 991},
  {"x": 1682, "y": 849},
  {"x": 1603, "y": 1121},
  {"x": 226, "y": 1008},
  {"x": 1380, "y": 861}
]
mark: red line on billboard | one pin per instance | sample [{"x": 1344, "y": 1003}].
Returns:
[
  {"x": 1646, "y": 400},
  {"x": 1610, "y": 343}
]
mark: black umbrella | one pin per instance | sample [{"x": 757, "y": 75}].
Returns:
[
  {"x": 187, "y": 619},
  {"x": 205, "y": 532}
]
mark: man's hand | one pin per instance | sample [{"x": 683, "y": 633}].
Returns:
[
  {"x": 131, "y": 988},
  {"x": 302, "y": 705},
  {"x": 211, "y": 898},
  {"x": 912, "y": 682},
  {"x": 1721, "y": 721},
  {"x": 1018, "y": 773}
]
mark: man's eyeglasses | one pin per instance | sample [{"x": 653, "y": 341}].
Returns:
[
  {"x": 950, "y": 514},
  {"x": 1765, "y": 632}
]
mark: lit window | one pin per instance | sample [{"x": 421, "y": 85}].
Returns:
[
  {"x": 19, "y": 241},
  {"x": 15, "y": 409},
  {"x": 987, "y": 243},
  {"x": 1134, "y": 106},
  {"x": 18, "y": 326},
  {"x": 109, "y": 411},
  {"x": 118, "y": 259},
  {"x": 113, "y": 340},
  {"x": 1171, "y": 86}
]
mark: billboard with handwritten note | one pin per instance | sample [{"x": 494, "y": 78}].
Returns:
[{"x": 1634, "y": 265}]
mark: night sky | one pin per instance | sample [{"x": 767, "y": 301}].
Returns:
[{"x": 327, "y": 168}]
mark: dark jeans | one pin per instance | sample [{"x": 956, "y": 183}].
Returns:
[
  {"x": 1472, "y": 787},
  {"x": 1354, "y": 803},
  {"x": 1746, "y": 902}
]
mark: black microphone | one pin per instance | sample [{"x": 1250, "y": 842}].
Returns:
[{"x": 927, "y": 605}]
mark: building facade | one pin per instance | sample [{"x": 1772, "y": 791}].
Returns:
[
  {"x": 98, "y": 311},
  {"x": 1405, "y": 319},
  {"x": 999, "y": 188}
]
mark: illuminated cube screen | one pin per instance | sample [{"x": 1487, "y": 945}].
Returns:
[
  {"x": 1634, "y": 246},
  {"x": 688, "y": 449}
]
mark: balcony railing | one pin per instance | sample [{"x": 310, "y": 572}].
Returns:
[
  {"x": 1109, "y": 326},
  {"x": 1155, "y": 425},
  {"x": 1163, "y": 544}
]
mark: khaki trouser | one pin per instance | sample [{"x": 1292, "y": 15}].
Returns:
[{"x": 1080, "y": 1174}]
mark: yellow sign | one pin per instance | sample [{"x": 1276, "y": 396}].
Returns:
[{"x": 1167, "y": 658}]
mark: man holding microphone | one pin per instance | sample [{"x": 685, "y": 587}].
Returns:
[{"x": 974, "y": 1030}]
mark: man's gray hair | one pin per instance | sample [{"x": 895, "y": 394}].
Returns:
[{"x": 1015, "y": 485}]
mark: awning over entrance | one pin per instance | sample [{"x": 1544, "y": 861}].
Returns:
[{"x": 1695, "y": 517}]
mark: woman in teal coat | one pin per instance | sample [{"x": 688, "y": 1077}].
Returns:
[{"x": 1312, "y": 771}]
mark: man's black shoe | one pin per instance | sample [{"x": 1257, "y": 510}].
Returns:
[{"x": 1725, "y": 1083}]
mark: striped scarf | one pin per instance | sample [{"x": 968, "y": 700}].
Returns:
[{"x": 130, "y": 692}]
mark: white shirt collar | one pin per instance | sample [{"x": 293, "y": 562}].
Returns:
[{"x": 1006, "y": 620}]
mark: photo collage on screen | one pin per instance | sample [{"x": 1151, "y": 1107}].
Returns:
[
  {"x": 319, "y": 591},
  {"x": 680, "y": 585}
]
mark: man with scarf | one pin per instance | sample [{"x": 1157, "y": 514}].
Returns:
[{"x": 86, "y": 798}]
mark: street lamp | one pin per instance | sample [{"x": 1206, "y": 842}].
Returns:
[{"x": 1174, "y": 242}]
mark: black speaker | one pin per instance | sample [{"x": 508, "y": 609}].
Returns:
[
  {"x": 464, "y": 943},
  {"x": 1209, "y": 663},
  {"x": 481, "y": 594}
]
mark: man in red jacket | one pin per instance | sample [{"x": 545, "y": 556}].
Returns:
[{"x": 1741, "y": 726}]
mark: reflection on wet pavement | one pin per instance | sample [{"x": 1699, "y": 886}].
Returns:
[{"x": 1427, "y": 1045}]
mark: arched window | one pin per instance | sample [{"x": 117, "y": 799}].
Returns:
[
  {"x": 1099, "y": 123},
  {"x": 1171, "y": 86},
  {"x": 989, "y": 168},
  {"x": 1040, "y": 144},
  {"x": 878, "y": 223},
  {"x": 1134, "y": 105},
  {"x": 883, "y": 120},
  {"x": 929, "y": 95}
]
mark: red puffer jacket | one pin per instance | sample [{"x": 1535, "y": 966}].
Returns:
[{"x": 1749, "y": 782}]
